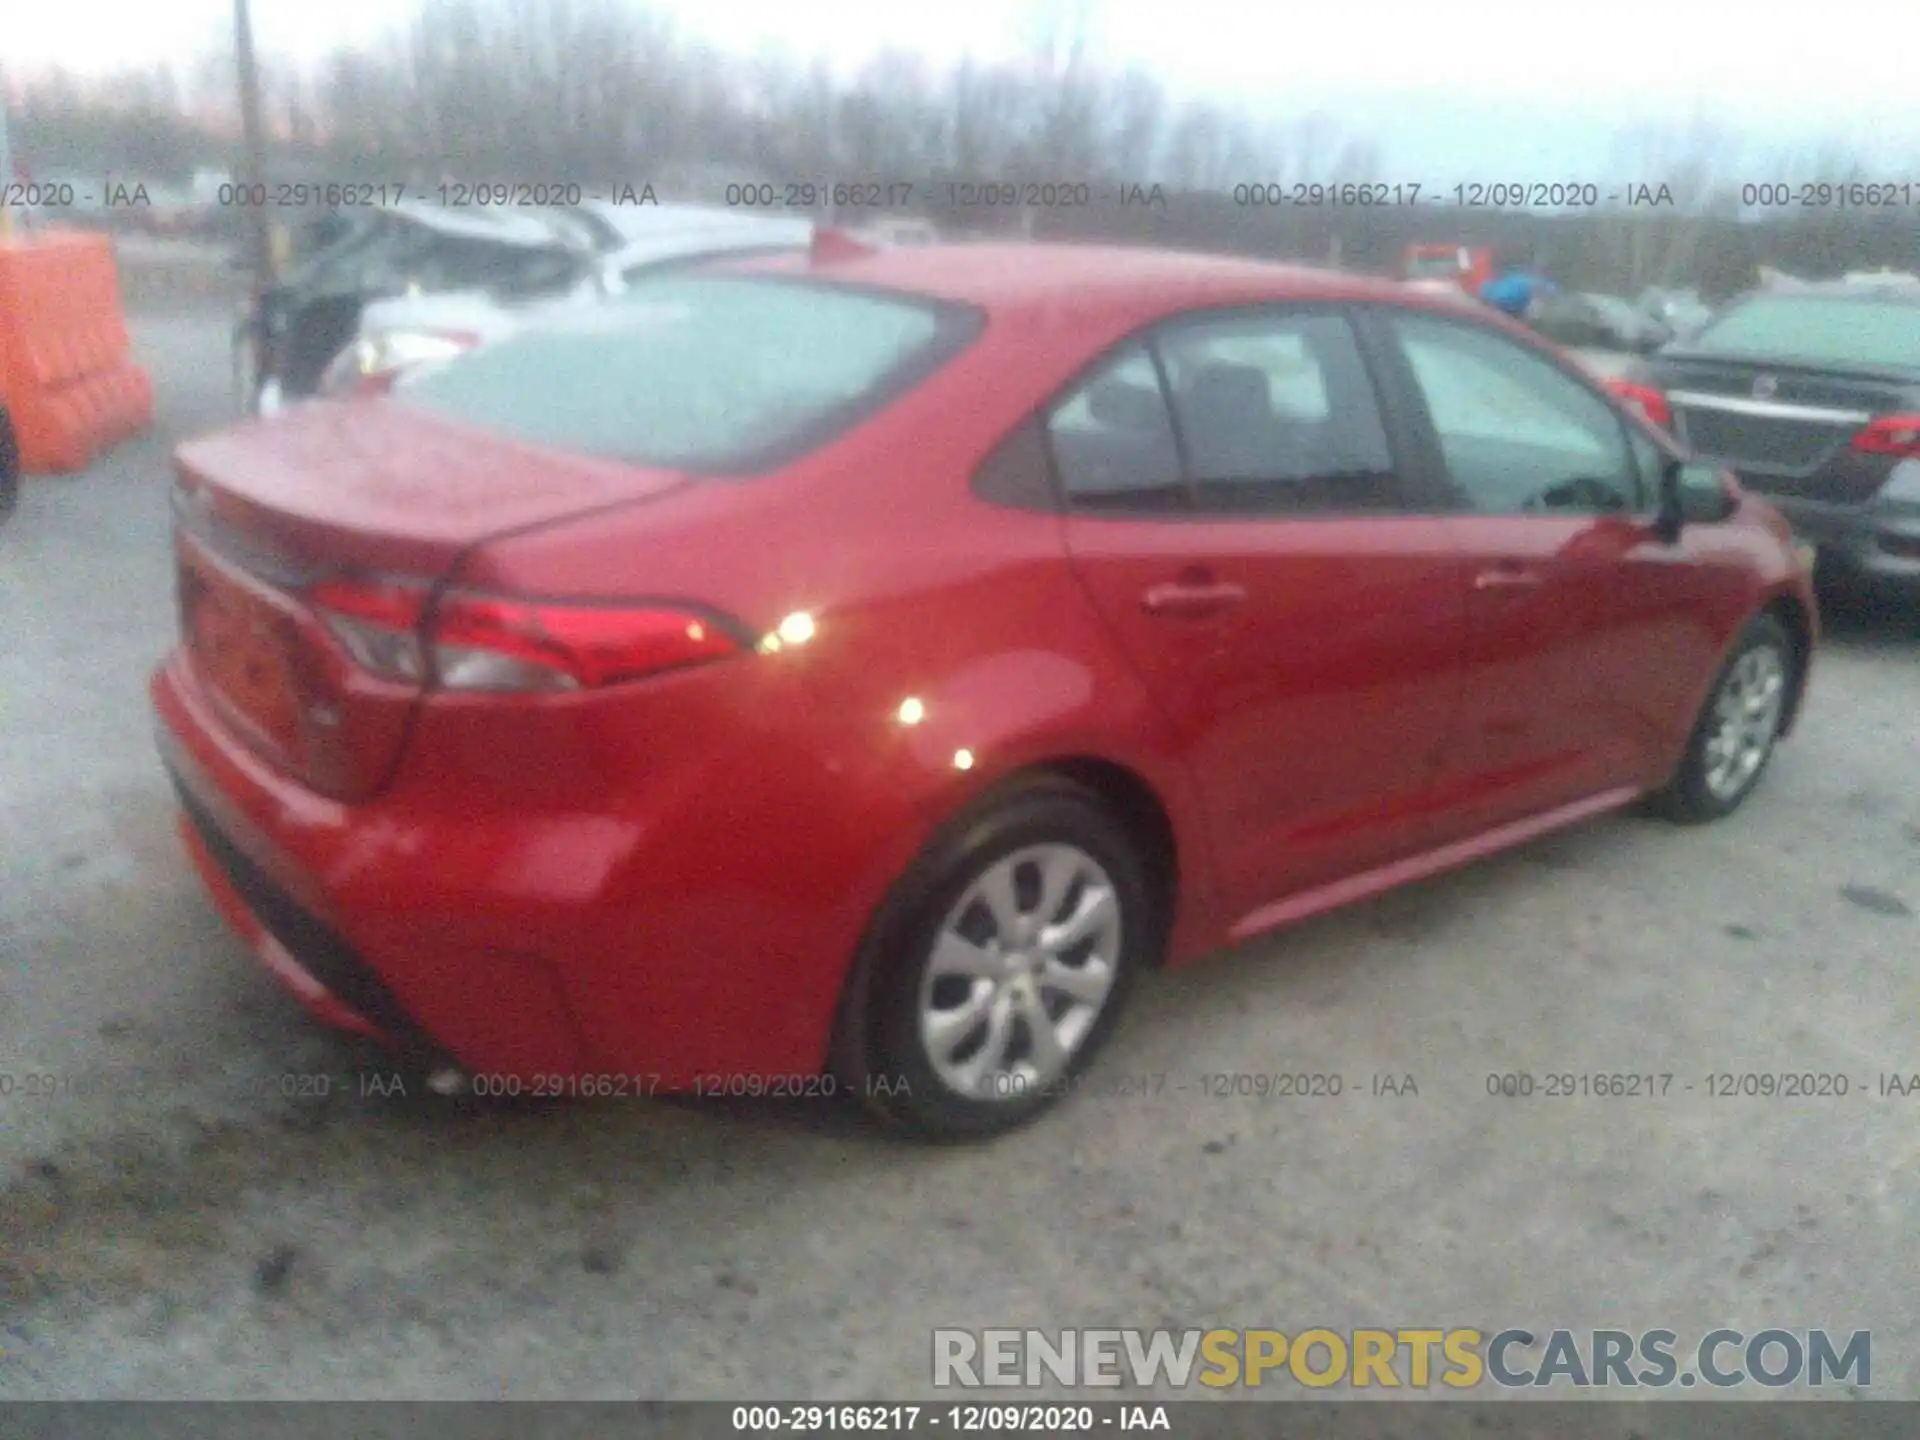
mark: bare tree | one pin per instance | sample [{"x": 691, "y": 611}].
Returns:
[
  {"x": 1823, "y": 235},
  {"x": 1139, "y": 118},
  {"x": 587, "y": 91},
  {"x": 1207, "y": 149},
  {"x": 1065, "y": 142},
  {"x": 1655, "y": 243},
  {"x": 800, "y": 120},
  {"x": 987, "y": 113},
  {"x": 1059, "y": 34},
  {"x": 890, "y": 123}
]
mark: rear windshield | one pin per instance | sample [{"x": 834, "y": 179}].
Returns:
[
  {"x": 1822, "y": 329},
  {"x": 717, "y": 374}
]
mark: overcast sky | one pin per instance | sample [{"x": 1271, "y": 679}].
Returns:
[{"x": 1454, "y": 92}]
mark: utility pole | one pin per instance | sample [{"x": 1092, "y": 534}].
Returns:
[{"x": 253, "y": 167}]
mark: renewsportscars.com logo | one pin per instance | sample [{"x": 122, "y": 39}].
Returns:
[{"x": 1415, "y": 1359}]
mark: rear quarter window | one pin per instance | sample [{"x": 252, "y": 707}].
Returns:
[{"x": 711, "y": 374}]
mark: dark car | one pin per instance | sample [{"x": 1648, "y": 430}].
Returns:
[
  {"x": 1813, "y": 397},
  {"x": 1602, "y": 322},
  {"x": 1682, "y": 312},
  {"x": 844, "y": 674}
]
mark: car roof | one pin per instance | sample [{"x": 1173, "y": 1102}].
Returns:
[{"x": 1000, "y": 276}]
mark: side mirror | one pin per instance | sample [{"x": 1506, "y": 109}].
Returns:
[{"x": 1694, "y": 493}]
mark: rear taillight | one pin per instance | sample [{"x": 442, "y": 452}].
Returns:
[
  {"x": 1651, "y": 404},
  {"x": 378, "y": 624},
  {"x": 489, "y": 642},
  {"x": 1895, "y": 435}
]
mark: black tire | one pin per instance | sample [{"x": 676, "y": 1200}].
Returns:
[
  {"x": 9, "y": 466},
  {"x": 1689, "y": 798},
  {"x": 889, "y": 1063}
]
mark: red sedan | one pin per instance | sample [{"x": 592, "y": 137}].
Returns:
[{"x": 846, "y": 673}]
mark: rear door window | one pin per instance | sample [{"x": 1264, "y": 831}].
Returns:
[
  {"x": 712, "y": 374},
  {"x": 1278, "y": 414}
]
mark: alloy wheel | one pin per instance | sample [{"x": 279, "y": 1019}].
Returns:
[
  {"x": 1021, "y": 969},
  {"x": 1746, "y": 721}
]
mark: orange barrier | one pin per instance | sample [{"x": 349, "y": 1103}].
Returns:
[{"x": 66, "y": 374}]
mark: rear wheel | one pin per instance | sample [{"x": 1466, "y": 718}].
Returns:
[
  {"x": 1735, "y": 735},
  {"x": 1015, "y": 947},
  {"x": 9, "y": 466}
]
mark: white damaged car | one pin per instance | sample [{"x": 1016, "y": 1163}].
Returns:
[{"x": 406, "y": 284}]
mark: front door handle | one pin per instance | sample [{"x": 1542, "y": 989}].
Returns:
[{"x": 1192, "y": 600}]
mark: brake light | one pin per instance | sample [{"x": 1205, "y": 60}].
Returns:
[
  {"x": 499, "y": 643},
  {"x": 377, "y": 623},
  {"x": 1896, "y": 435},
  {"x": 487, "y": 643},
  {"x": 1649, "y": 402}
]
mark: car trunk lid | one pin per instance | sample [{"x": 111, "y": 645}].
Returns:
[
  {"x": 265, "y": 512},
  {"x": 1785, "y": 428}
]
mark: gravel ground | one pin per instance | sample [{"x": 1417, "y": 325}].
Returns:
[{"x": 168, "y": 1230}]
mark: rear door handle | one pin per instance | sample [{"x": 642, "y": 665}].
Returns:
[
  {"x": 1508, "y": 577},
  {"x": 1192, "y": 600}
]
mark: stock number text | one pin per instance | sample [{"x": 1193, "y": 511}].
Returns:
[
  {"x": 1857, "y": 195},
  {"x": 1303, "y": 194}
]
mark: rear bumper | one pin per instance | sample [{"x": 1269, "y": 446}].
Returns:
[
  {"x": 516, "y": 940},
  {"x": 336, "y": 902},
  {"x": 1878, "y": 540},
  {"x": 307, "y": 956}
]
